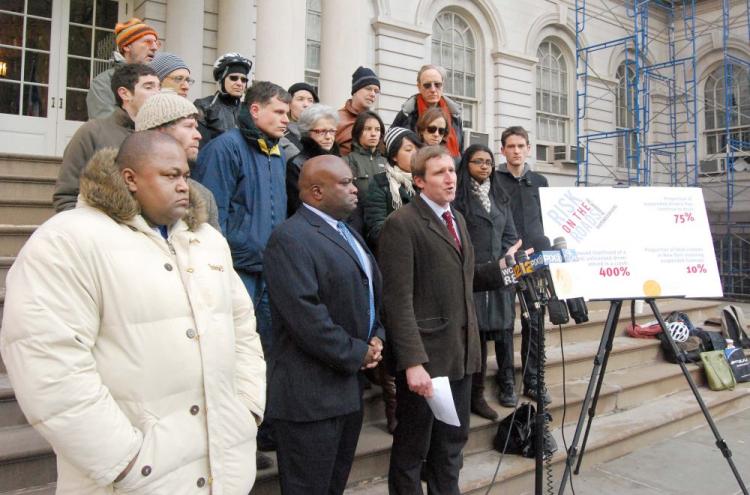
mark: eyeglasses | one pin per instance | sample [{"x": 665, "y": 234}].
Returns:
[
  {"x": 486, "y": 163},
  {"x": 429, "y": 85},
  {"x": 182, "y": 79},
  {"x": 235, "y": 78},
  {"x": 323, "y": 132},
  {"x": 440, "y": 130}
]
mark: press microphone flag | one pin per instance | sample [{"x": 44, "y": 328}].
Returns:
[
  {"x": 540, "y": 261},
  {"x": 576, "y": 306}
]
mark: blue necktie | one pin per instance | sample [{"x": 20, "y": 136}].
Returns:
[{"x": 347, "y": 235}]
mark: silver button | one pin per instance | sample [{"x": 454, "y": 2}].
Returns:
[{"x": 190, "y": 333}]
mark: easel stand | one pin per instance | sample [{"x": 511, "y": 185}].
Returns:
[{"x": 595, "y": 385}]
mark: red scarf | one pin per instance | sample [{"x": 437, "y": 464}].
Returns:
[{"x": 452, "y": 140}]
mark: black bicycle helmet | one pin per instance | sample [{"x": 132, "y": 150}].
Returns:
[{"x": 229, "y": 63}]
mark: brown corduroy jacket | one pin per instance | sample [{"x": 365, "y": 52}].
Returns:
[{"x": 429, "y": 313}]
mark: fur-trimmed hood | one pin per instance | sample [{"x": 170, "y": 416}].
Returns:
[{"x": 103, "y": 188}]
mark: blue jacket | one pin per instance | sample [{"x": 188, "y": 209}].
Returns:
[{"x": 249, "y": 183}]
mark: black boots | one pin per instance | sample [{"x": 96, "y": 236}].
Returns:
[{"x": 479, "y": 404}]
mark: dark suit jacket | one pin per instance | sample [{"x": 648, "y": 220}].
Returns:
[
  {"x": 428, "y": 306},
  {"x": 319, "y": 299}
]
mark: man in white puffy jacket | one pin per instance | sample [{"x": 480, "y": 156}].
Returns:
[{"x": 129, "y": 339}]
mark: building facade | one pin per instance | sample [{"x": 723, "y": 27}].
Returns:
[{"x": 509, "y": 63}]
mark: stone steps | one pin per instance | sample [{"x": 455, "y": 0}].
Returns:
[
  {"x": 612, "y": 436},
  {"x": 48, "y": 489},
  {"x": 13, "y": 237},
  {"x": 17, "y": 188},
  {"x": 25, "y": 211},
  {"x": 5, "y": 263},
  {"x": 622, "y": 390},
  {"x": 28, "y": 166},
  {"x": 26, "y": 459}
]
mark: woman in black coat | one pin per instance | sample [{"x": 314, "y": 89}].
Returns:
[
  {"x": 317, "y": 126},
  {"x": 489, "y": 221}
]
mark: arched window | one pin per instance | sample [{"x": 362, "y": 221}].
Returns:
[
  {"x": 552, "y": 115},
  {"x": 312, "y": 43},
  {"x": 625, "y": 113},
  {"x": 454, "y": 48},
  {"x": 715, "y": 115}
]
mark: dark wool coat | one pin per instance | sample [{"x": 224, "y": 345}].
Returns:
[
  {"x": 524, "y": 203},
  {"x": 310, "y": 149},
  {"x": 492, "y": 234},
  {"x": 428, "y": 283}
]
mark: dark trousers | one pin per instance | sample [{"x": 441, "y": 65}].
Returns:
[
  {"x": 422, "y": 441},
  {"x": 315, "y": 457},
  {"x": 504, "y": 365},
  {"x": 256, "y": 287}
]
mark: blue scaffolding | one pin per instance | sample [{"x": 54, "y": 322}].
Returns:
[
  {"x": 661, "y": 138},
  {"x": 733, "y": 246}
]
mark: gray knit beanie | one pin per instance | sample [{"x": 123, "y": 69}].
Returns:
[
  {"x": 395, "y": 137},
  {"x": 166, "y": 63},
  {"x": 162, "y": 108}
]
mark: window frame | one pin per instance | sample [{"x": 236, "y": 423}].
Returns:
[
  {"x": 567, "y": 84},
  {"x": 469, "y": 103}
]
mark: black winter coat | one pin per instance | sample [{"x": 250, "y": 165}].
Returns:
[
  {"x": 524, "y": 203},
  {"x": 216, "y": 114},
  {"x": 310, "y": 149},
  {"x": 492, "y": 234}
]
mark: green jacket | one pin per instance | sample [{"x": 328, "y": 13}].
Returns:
[
  {"x": 365, "y": 165},
  {"x": 378, "y": 205}
]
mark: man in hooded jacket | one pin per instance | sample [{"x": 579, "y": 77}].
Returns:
[{"x": 129, "y": 340}]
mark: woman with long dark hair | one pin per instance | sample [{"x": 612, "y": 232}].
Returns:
[{"x": 489, "y": 221}]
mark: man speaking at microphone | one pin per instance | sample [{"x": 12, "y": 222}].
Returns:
[
  {"x": 522, "y": 186},
  {"x": 431, "y": 327}
]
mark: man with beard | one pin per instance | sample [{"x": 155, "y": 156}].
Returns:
[{"x": 172, "y": 114}]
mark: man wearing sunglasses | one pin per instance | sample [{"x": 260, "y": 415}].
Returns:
[
  {"x": 218, "y": 113},
  {"x": 430, "y": 85},
  {"x": 137, "y": 43}
]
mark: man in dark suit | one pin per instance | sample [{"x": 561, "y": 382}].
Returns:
[
  {"x": 324, "y": 289},
  {"x": 429, "y": 275}
]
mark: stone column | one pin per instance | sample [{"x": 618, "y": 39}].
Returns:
[
  {"x": 280, "y": 41},
  {"x": 343, "y": 47},
  {"x": 234, "y": 33},
  {"x": 184, "y": 37}
]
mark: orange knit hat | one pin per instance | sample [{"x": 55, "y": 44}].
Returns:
[{"x": 132, "y": 30}]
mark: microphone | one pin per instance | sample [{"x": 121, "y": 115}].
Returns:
[
  {"x": 540, "y": 260},
  {"x": 524, "y": 273},
  {"x": 519, "y": 284},
  {"x": 576, "y": 306}
]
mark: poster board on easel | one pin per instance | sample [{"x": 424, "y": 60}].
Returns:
[{"x": 632, "y": 243}]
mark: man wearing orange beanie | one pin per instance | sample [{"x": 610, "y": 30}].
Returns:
[{"x": 137, "y": 42}]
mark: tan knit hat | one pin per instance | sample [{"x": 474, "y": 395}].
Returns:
[{"x": 162, "y": 108}]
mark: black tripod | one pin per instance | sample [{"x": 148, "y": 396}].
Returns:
[
  {"x": 595, "y": 385},
  {"x": 535, "y": 319}
]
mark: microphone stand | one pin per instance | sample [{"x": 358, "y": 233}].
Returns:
[{"x": 540, "y": 420}]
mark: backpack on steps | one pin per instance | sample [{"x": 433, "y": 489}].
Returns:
[{"x": 731, "y": 328}]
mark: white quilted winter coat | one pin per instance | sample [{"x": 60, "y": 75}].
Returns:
[{"x": 119, "y": 344}]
